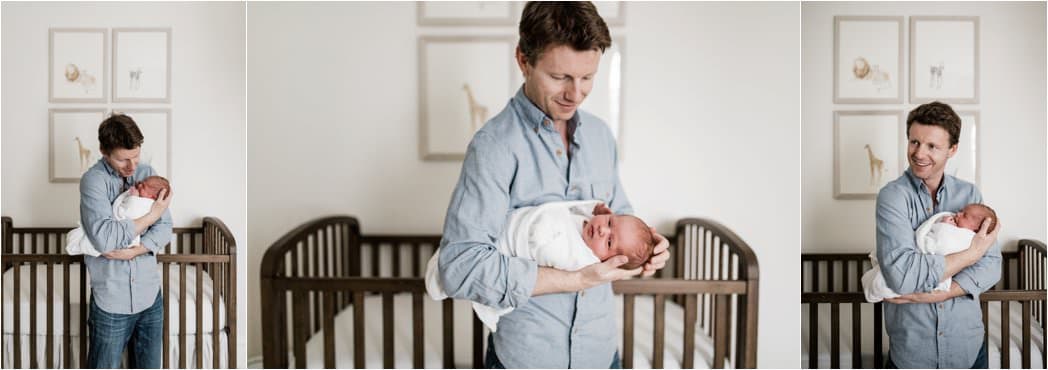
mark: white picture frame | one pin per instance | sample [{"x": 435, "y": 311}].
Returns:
[
  {"x": 613, "y": 12},
  {"x": 865, "y": 152},
  {"x": 142, "y": 65},
  {"x": 944, "y": 59},
  {"x": 155, "y": 125},
  {"x": 449, "y": 115},
  {"x": 78, "y": 65},
  {"x": 466, "y": 13},
  {"x": 965, "y": 163},
  {"x": 867, "y": 59},
  {"x": 72, "y": 142},
  {"x": 606, "y": 99}
]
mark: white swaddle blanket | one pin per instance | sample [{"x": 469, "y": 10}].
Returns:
[
  {"x": 550, "y": 234},
  {"x": 125, "y": 207},
  {"x": 933, "y": 237}
]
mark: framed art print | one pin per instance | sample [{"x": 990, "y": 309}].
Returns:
[
  {"x": 944, "y": 59},
  {"x": 73, "y": 142},
  {"x": 463, "y": 82},
  {"x": 77, "y": 65},
  {"x": 467, "y": 13},
  {"x": 867, "y": 59},
  {"x": 142, "y": 65},
  {"x": 865, "y": 152}
]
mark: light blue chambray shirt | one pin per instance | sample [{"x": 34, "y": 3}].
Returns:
[
  {"x": 518, "y": 160},
  {"x": 943, "y": 335},
  {"x": 122, "y": 287}
]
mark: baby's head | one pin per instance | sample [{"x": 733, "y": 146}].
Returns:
[
  {"x": 150, "y": 187},
  {"x": 971, "y": 217},
  {"x": 611, "y": 235}
]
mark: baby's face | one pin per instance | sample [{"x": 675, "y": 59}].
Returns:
[
  {"x": 971, "y": 218},
  {"x": 609, "y": 235}
]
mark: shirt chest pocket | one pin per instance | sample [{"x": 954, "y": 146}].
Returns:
[{"x": 601, "y": 190}]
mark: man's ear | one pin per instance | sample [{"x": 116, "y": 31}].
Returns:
[
  {"x": 953, "y": 150},
  {"x": 522, "y": 62}
]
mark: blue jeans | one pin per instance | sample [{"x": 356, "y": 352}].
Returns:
[
  {"x": 111, "y": 332},
  {"x": 491, "y": 360},
  {"x": 981, "y": 362}
]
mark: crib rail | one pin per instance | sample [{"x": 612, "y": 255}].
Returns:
[
  {"x": 323, "y": 266},
  {"x": 209, "y": 249},
  {"x": 835, "y": 280}
]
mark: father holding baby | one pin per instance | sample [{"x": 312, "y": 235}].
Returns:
[
  {"x": 927, "y": 328},
  {"x": 541, "y": 149},
  {"x": 126, "y": 304}
]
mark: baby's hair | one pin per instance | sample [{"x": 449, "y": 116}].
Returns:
[
  {"x": 638, "y": 256},
  {"x": 992, "y": 215},
  {"x": 164, "y": 184}
]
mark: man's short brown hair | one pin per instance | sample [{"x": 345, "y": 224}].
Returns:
[
  {"x": 573, "y": 23},
  {"x": 119, "y": 131},
  {"x": 936, "y": 114}
]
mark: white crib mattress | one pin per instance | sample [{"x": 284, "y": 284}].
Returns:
[
  {"x": 433, "y": 333},
  {"x": 74, "y": 300},
  {"x": 74, "y": 342},
  {"x": 994, "y": 338}
]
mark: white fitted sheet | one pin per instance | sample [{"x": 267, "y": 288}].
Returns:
[{"x": 74, "y": 343}]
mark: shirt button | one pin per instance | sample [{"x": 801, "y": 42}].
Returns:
[
  {"x": 582, "y": 293},
  {"x": 928, "y": 209},
  {"x": 536, "y": 129},
  {"x": 574, "y": 188},
  {"x": 940, "y": 305},
  {"x": 940, "y": 333},
  {"x": 558, "y": 152}
]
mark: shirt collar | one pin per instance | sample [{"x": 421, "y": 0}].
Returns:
[
  {"x": 947, "y": 182},
  {"x": 534, "y": 117}
]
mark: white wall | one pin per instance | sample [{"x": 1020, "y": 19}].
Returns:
[
  {"x": 1012, "y": 109},
  {"x": 710, "y": 113},
  {"x": 207, "y": 104}
]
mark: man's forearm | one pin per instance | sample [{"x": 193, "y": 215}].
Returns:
[
  {"x": 958, "y": 261},
  {"x": 551, "y": 280},
  {"x": 143, "y": 223}
]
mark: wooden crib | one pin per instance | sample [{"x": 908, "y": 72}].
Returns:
[
  {"x": 834, "y": 280},
  {"x": 322, "y": 267},
  {"x": 208, "y": 250}
]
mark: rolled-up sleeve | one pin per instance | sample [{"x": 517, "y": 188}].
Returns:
[
  {"x": 158, "y": 234},
  {"x": 470, "y": 265},
  {"x": 104, "y": 231},
  {"x": 905, "y": 269}
]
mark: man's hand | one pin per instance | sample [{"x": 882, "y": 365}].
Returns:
[
  {"x": 160, "y": 205},
  {"x": 659, "y": 255},
  {"x": 983, "y": 239},
  {"x": 125, "y": 254},
  {"x": 604, "y": 272},
  {"x": 930, "y": 297}
]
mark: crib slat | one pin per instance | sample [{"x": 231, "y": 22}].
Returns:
[
  {"x": 449, "y": 336},
  {"x": 813, "y": 335},
  {"x": 878, "y": 357},
  {"x": 182, "y": 314},
  {"x": 17, "y": 315},
  {"x": 1005, "y": 335},
  {"x": 358, "y": 330},
  {"x": 829, "y": 276},
  {"x": 200, "y": 316},
  {"x": 658, "y": 341},
  {"x": 83, "y": 316},
  {"x": 1026, "y": 334},
  {"x": 387, "y": 330},
  {"x": 416, "y": 257},
  {"x": 165, "y": 289},
  {"x": 478, "y": 343},
  {"x": 394, "y": 249},
  {"x": 720, "y": 338},
  {"x": 216, "y": 325},
  {"x": 301, "y": 326},
  {"x": 814, "y": 276},
  {"x": 857, "y": 336},
  {"x": 627, "y": 328},
  {"x": 984, "y": 308},
  {"x": 835, "y": 331},
  {"x": 67, "y": 351},
  {"x": 689, "y": 331},
  {"x": 49, "y": 346},
  {"x": 417, "y": 331},
  {"x": 329, "y": 330}
]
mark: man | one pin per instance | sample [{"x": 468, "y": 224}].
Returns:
[
  {"x": 539, "y": 149},
  {"x": 126, "y": 304},
  {"x": 933, "y": 329}
]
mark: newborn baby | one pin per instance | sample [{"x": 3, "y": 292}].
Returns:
[
  {"x": 129, "y": 205},
  {"x": 942, "y": 234},
  {"x": 563, "y": 235}
]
